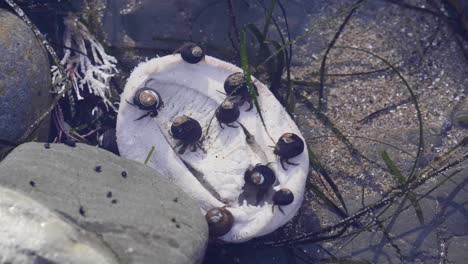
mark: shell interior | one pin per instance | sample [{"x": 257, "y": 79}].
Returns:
[{"x": 213, "y": 177}]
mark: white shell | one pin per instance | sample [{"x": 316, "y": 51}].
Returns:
[{"x": 194, "y": 90}]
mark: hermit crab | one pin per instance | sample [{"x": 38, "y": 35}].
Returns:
[
  {"x": 236, "y": 88},
  {"x": 228, "y": 112},
  {"x": 234, "y": 165},
  {"x": 191, "y": 53},
  {"x": 149, "y": 100},
  {"x": 282, "y": 197},
  {"x": 260, "y": 176},
  {"x": 289, "y": 145},
  {"x": 188, "y": 131},
  {"x": 219, "y": 220}
]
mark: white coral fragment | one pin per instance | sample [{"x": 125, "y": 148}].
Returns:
[{"x": 86, "y": 62}]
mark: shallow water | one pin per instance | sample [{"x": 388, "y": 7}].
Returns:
[{"x": 395, "y": 72}]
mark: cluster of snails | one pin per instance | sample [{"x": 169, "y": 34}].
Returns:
[{"x": 189, "y": 133}]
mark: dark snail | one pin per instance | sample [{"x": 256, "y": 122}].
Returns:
[
  {"x": 227, "y": 112},
  {"x": 236, "y": 88},
  {"x": 288, "y": 146},
  {"x": 220, "y": 221},
  {"x": 149, "y": 100},
  {"x": 261, "y": 176},
  {"x": 188, "y": 131},
  {"x": 191, "y": 53},
  {"x": 282, "y": 197}
]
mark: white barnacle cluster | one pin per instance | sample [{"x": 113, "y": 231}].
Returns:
[
  {"x": 197, "y": 112},
  {"x": 86, "y": 62}
]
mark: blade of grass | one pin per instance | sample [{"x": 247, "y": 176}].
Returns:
[
  {"x": 313, "y": 28},
  {"x": 393, "y": 168},
  {"x": 246, "y": 69},
  {"x": 388, "y": 198},
  {"x": 357, "y": 156},
  {"x": 291, "y": 95},
  {"x": 264, "y": 49},
  {"x": 336, "y": 209},
  {"x": 248, "y": 77},
  {"x": 266, "y": 26},
  {"x": 290, "y": 53},
  {"x": 402, "y": 181},
  {"x": 376, "y": 114},
  {"x": 289, "y": 100},
  {"x": 256, "y": 32},
  {"x": 317, "y": 166},
  {"x": 233, "y": 19},
  {"x": 415, "y": 102},
  {"x": 412, "y": 174},
  {"x": 449, "y": 177},
  {"x": 276, "y": 71},
  {"x": 280, "y": 59},
  {"x": 399, "y": 149},
  {"x": 327, "y": 123},
  {"x": 150, "y": 153},
  {"x": 329, "y": 48}
]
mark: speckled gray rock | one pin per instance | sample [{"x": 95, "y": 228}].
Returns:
[
  {"x": 24, "y": 79},
  {"x": 32, "y": 234},
  {"x": 140, "y": 215}
]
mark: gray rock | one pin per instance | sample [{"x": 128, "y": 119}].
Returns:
[
  {"x": 140, "y": 215},
  {"x": 24, "y": 79},
  {"x": 31, "y": 233}
]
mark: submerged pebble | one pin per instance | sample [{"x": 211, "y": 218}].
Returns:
[{"x": 25, "y": 81}]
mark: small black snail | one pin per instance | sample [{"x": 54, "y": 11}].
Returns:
[
  {"x": 149, "y": 100},
  {"x": 236, "y": 88},
  {"x": 220, "y": 221},
  {"x": 288, "y": 146},
  {"x": 226, "y": 113},
  {"x": 282, "y": 197},
  {"x": 261, "y": 176},
  {"x": 188, "y": 131},
  {"x": 191, "y": 53}
]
